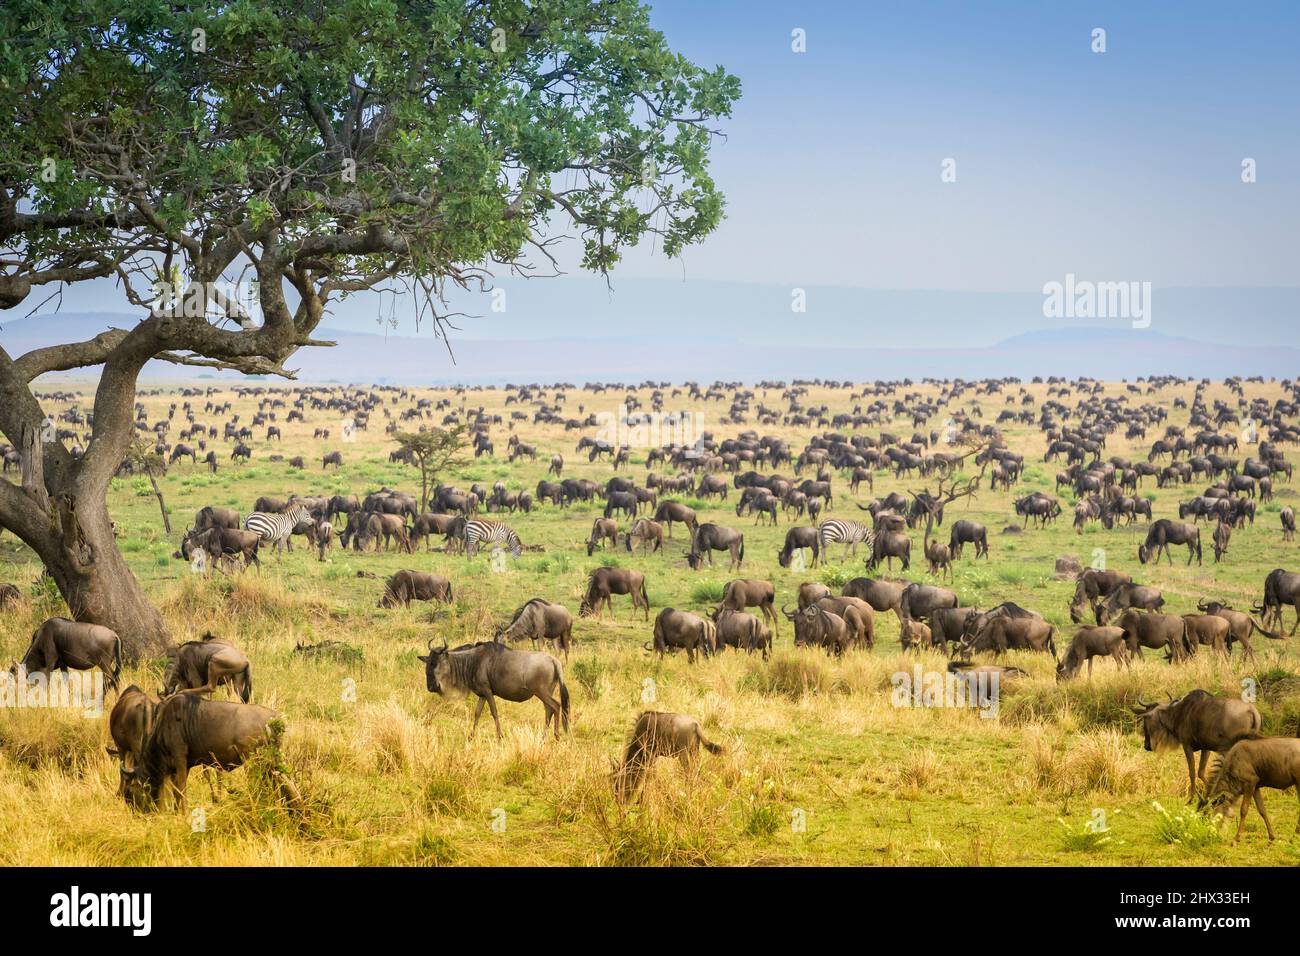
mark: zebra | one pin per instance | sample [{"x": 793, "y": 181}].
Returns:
[
  {"x": 478, "y": 531},
  {"x": 851, "y": 533},
  {"x": 275, "y": 529}
]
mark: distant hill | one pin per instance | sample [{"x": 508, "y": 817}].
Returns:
[{"x": 680, "y": 354}]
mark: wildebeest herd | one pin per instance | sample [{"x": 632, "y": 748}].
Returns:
[{"x": 772, "y": 456}]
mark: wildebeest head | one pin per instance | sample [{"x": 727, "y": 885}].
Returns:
[
  {"x": 437, "y": 663},
  {"x": 1157, "y": 724},
  {"x": 1144, "y": 553}
]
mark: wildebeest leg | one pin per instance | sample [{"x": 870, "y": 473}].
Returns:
[
  {"x": 1259, "y": 805},
  {"x": 478, "y": 712},
  {"x": 1191, "y": 771},
  {"x": 492, "y": 705},
  {"x": 552, "y": 712},
  {"x": 1089, "y": 667},
  {"x": 1205, "y": 762}
]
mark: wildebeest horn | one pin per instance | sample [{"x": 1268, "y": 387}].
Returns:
[{"x": 786, "y": 613}]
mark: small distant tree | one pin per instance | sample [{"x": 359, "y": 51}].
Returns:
[{"x": 433, "y": 451}]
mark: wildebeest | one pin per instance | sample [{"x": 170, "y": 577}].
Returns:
[
  {"x": 882, "y": 595},
  {"x": 540, "y": 620},
  {"x": 659, "y": 734},
  {"x": 810, "y": 592},
  {"x": 745, "y": 593},
  {"x": 649, "y": 534},
  {"x": 9, "y": 595},
  {"x": 490, "y": 670},
  {"x": 60, "y": 643},
  {"x": 406, "y": 586},
  {"x": 1280, "y": 588},
  {"x": 796, "y": 539},
  {"x": 602, "y": 530},
  {"x": 670, "y": 511},
  {"x": 194, "y": 731},
  {"x": 603, "y": 583},
  {"x": 1197, "y": 721},
  {"x": 204, "y": 665},
  {"x": 1090, "y": 642},
  {"x": 741, "y": 630},
  {"x": 708, "y": 538},
  {"x": 1007, "y": 627},
  {"x": 819, "y": 627},
  {"x": 1240, "y": 626},
  {"x": 1206, "y": 630},
  {"x": 1128, "y": 595},
  {"x": 676, "y": 629},
  {"x": 1222, "y": 535},
  {"x": 334, "y": 458},
  {"x": 213, "y": 517},
  {"x": 1252, "y": 764},
  {"x": 223, "y": 542},
  {"x": 1154, "y": 630},
  {"x": 1092, "y": 586},
  {"x": 888, "y": 545},
  {"x": 969, "y": 532},
  {"x": 129, "y": 724},
  {"x": 1163, "y": 533}
]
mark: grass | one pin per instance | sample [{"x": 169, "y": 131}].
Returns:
[{"x": 387, "y": 776}]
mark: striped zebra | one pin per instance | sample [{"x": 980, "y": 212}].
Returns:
[
  {"x": 480, "y": 531},
  {"x": 275, "y": 529},
  {"x": 850, "y": 533}
]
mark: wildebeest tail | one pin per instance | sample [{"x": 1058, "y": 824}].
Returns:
[
  {"x": 708, "y": 745},
  {"x": 564, "y": 699},
  {"x": 117, "y": 660},
  {"x": 1051, "y": 640},
  {"x": 742, "y": 548},
  {"x": 246, "y": 692}
]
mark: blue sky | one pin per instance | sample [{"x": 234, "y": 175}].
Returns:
[
  {"x": 1118, "y": 165},
  {"x": 1115, "y": 166}
]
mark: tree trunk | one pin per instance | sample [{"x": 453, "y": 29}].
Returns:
[{"x": 95, "y": 581}]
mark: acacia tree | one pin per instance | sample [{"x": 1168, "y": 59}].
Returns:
[
  {"x": 316, "y": 149},
  {"x": 433, "y": 451}
]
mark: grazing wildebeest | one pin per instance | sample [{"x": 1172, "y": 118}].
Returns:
[
  {"x": 796, "y": 539},
  {"x": 708, "y": 538},
  {"x": 334, "y": 458},
  {"x": 1240, "y": 626},
  {"x": 1222, "y": 535},
  {"x": 1252, "y": 764},
  {"x": 1154, "y": 630},
  {"x": 602, "y": 530},
  {"x": 1163, "y": 533},
  {"x": 938, "y": 559},
  {"x": 744, "y": 593},
  {"x": 407, "y": 586},
  {"x": 602, "y": 583},
  {"x": 741, "y": 630},
  {"x": 320, "y": 534},
  {"x": 888, "y": 545},
  {"x": 857, "y": 614},
  {"x": 1128, "y": 595},
  {"x": 1197, "y": 721},
  {"x": 670, "y": 511},
  {"x": 540, "y": 620},
  {"x": 650, "y": 535},
  {"x": 1093, "y": 585},
  {"x": 947, "y": 624},
  {"x": 969, "y": 532},
  {"x": 490, "y": 670},
  {"x": 810, "y": 592},
  {"x": 1090, "y": 642},
  {"x": 129, "y": 724},
  {"x": 223, "y": 542},
  {"x": 1007, "y": 627},
  {"x": 556, "y": 466},
  {"x": 241, "y": 453},
  {"x": 659, "y": 734},
  {"x": 60, "y": 643},
  {"x": 204, "y": 665},
  {"x": 194, "y": 731},
  {"x": 1280, "y": 589},
  {"x": 212, "y": 517},
  {"x": 1288, "y": 523},
  {"x": 676, "y": 629}
]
